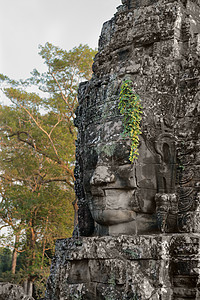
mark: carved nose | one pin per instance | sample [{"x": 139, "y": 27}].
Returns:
[{"x": 102, "y": 175}]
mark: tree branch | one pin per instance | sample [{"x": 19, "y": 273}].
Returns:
[{"x": 42, "y": 129}]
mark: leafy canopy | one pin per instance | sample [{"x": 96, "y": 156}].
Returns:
[{"x": 37, "y": 157}]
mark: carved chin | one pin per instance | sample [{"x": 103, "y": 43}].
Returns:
[{"x": 111, "y": 217}]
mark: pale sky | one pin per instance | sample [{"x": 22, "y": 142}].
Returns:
[{"x": 24, "y": 24}]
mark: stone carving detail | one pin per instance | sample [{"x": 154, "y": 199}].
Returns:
[
  {"x": 170, "y": 119},
  {"x": 121, "y": 196},
  {"x": 166, "y": 199},
  {"x": 137, "y": 236},
  {"x": 9, "y": 291},
  {"x": 167, "y": 209}
]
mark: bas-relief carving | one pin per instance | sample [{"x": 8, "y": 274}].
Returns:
[
  {"x": 122, "y": 197},
  {"x": 154, "y": 194},
  {"x": 156, "y": 45}
]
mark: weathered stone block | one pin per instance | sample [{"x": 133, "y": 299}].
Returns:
[
  {"x": 79, "y": 272},
  {"x": 149, "y": 267},
  {"x": 10, "y": 291}
]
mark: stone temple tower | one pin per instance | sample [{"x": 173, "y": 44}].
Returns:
[{"x": 138, "y": 232}]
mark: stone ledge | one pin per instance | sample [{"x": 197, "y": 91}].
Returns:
[
  {"x": 148, "y": 267},
  {"x": 128, "y": 247}
]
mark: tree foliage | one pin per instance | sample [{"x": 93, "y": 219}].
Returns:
[
  {"x": 37, "y": 141},
  {"x": 5, "y": 260}
]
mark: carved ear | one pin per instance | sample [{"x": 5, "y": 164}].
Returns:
[
  {"x": 166, "y": 152},
  {"x": 165, "y": 146}
]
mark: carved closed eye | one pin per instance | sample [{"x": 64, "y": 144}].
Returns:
[{"x": 121, "y": 153}]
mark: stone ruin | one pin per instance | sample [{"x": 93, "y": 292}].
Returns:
[
  {"x": 10, "y": 291},
  {"x": 138, "y": 232}
]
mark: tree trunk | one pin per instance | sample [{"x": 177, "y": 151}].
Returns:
[
  {"x": 28, "y": 287},
  {"x": 14, "y": 254},
  {"x": 25, "y": 286},
  {"x": 44, "y": 243}
]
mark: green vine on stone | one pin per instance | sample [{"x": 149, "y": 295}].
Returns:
[{"x": 130, "y": 107}]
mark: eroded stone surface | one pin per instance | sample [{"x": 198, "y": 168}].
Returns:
[
  {"x": 143, "y": 219},
  {"x": 156, "y": 45},
  {"x": 145, "y": 267},
  {"x": 9, "y": 291}
]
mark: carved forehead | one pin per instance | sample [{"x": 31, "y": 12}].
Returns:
[
  {"x": 107, "y": 132},
  {"x": 98, "y": 102},
  {"x": 107, "y": 142}
]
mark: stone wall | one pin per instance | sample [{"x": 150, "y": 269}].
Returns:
[
  {"x": 159, "y": 267},
  {"x": 9, "y": 291}
]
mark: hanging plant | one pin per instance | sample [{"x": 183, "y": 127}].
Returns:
[{"x": 131, "y": 109}]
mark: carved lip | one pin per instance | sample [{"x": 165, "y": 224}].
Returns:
[
  {"x": 98, "y": 191},
  {"x": 103, "y": 191},
  {"x": 111, "y": 217},
  {"x": 113, "y": 199}
]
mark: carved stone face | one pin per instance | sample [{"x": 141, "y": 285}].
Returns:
[
  {"x": 161, "y": 59},
  {"x": 121, "y": 195}
]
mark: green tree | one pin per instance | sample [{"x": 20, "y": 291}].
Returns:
[
  {"x": 37, "y": 140},
  {"x": 5, "y": 260}
]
